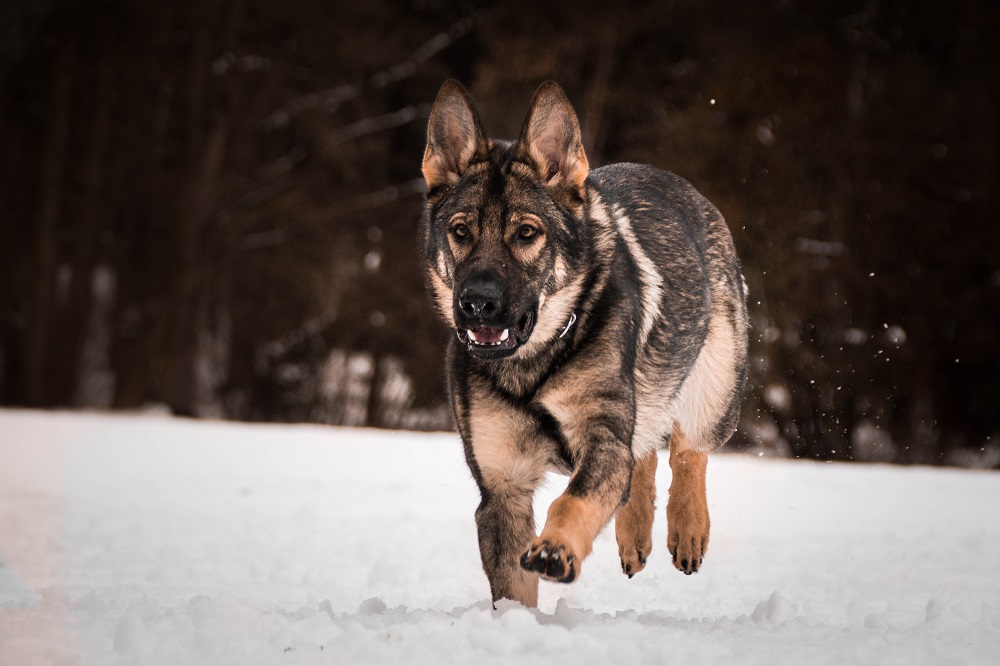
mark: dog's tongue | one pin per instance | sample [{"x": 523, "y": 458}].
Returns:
[{"x": 486, "y": 335}]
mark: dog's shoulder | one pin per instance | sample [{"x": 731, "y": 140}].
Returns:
[
  {"x": 636, "y": 188},
  {"x": 627, "y": 179},
  {"x": 663, "y": 212}
]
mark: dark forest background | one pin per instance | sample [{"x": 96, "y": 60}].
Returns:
[{"x": 213, "y": 205}]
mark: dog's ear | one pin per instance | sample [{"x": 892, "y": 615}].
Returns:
[
  {"x": 551, "y": 140},
  {"x": 454, "y": 136}
]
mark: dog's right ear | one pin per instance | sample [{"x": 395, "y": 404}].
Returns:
[{"x": 455, "y": 136}]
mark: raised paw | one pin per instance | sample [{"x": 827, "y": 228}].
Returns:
[{"x": 551, "y": 561}]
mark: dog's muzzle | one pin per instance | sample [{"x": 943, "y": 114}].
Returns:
[{"x": 489, "y": 325}]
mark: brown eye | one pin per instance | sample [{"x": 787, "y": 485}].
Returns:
[
  {"x": 460, "y": 231},
  {"x": 527, "y": 231}
]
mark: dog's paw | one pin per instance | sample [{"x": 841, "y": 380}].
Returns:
[
  {"x": 551, "y": 561},
  {"x": 688, "y": 554},
  {"x": 634, "y": 530},
  {"x": 634, "y": 561},
  {"x": 687, "y": 535}
]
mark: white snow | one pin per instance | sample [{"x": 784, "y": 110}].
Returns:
[{"x": 153, "y": 540}]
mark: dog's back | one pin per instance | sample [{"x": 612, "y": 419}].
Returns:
[{"x": 692, "y": 330}]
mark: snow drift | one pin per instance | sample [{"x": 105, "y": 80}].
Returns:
[{"x": 153, "y": 540}]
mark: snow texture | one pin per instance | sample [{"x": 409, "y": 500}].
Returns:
[{"x": 153, "y": 540}]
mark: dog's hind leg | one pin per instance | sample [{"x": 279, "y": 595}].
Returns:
[
  {"x": 634, "y": 520},
  {"x": 687, "y": 508}
]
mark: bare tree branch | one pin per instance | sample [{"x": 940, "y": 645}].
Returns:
[
  {"x": 332, "y": 98},
  {"x": 377, "y": 124},
  {"x": 374, "y": 199}
]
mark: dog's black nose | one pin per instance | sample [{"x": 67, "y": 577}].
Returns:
[{"x": 481, "y": 298}]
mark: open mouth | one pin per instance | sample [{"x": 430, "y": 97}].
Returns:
[
  {"x": 496, "y": 342},
  {"x": 487, "y": 336}
]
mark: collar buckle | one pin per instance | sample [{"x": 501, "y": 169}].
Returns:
[{"x": 569, "y": 324}]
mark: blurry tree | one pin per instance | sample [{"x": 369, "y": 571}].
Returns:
[{"x": 213, "y": 205}]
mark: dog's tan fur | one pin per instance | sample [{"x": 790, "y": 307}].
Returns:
[
  {"x": 634, "y": 521},
  {"x": 687, "y": 508},
  {"x": 570, "y": 528}
]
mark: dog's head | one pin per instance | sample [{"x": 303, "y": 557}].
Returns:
[{"x": 504, "y": 229}]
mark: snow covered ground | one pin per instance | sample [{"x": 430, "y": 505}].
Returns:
[{"x": 153, "y": 540}]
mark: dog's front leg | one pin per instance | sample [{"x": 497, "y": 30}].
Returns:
[
  {"x": 502, "y": 453},
  {"x": 595, "y": 491},
  {"x": 506, "y": 522}
]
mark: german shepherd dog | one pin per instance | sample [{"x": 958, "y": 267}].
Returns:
[{"x": 598, "y": 315}]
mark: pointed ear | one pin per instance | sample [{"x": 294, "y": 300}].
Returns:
[
  {"x": 551, "y": 139},
  {"x": 454, "y": 136}
]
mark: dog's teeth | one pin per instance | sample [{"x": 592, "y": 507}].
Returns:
[{"x": 472, "y": 337}]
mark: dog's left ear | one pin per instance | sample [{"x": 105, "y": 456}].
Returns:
[{"x": 551, "y": 140}]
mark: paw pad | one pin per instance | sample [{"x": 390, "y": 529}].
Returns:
[{"x": 551, "y": 562}]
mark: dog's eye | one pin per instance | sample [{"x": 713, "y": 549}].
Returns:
[
  {"x": 460, "y": 231},
  {"x": 527, "y": 231}
]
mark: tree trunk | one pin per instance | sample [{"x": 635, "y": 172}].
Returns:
[
  {"x": 53, "y": 173},
  {"x": 87, "y": 301},
  {"x": 200, "y": 200}
]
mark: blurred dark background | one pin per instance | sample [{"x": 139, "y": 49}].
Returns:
[{"x": 213, "y": 205}]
